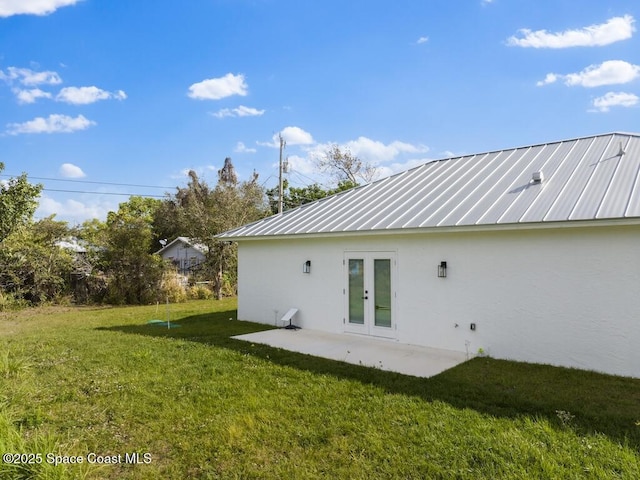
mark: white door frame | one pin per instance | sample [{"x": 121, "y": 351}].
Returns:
[{"x": 365, "y": 323}]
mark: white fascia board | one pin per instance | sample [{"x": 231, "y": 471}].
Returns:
[{"x": 449, "y": 229}]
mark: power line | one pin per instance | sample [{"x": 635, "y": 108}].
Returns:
[
  {"x": 89, "y": 181},
  {"x": 104, "y": 193},
  {"x": 139, "y": 185},
  {"x": 316, "y": 182},
  {"x": 268, "y": 178}
]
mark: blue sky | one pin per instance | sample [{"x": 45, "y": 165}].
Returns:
[{"x": 118, "y": 97}]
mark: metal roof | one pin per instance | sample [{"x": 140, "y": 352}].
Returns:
[
  {"x": 185, "y": 241},
  {"x": 589, "y": 178}
]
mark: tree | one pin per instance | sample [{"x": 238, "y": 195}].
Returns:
[
  {"x": 202, "y": 213},
  {"x": 227, "y": 174},
  {"x": 296, "y": 196},
  {"x": 134, "y": 272},
  {"x": 33, "y": 268},
  {"x": 17, "y": 203},
  {"x": 93, "y": 234},
  {"x": 342, "y": 166}
]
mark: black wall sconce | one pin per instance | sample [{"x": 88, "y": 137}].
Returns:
[
  {"x": 306, "y": 267},
  {"x": 442, "y": 270}
]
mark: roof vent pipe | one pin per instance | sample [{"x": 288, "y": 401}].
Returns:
[{"x": 537, "y": 177}]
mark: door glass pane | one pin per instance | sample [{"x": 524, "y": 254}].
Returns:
[
  {"x": 382, "y": 291},
  {"x": 356, "y": 291}
]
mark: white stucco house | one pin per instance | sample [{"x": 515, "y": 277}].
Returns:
[
  {"x": 184, "y": 253},
  {"x": 530, "y": 253}
]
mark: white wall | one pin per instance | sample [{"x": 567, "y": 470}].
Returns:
[
  {"x": 270, "y": 281},
  {"x": 178, "y": 252},
  {"x": 564, "y": 296}
]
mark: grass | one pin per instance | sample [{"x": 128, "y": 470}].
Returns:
[{"x": 75, "y": 381}]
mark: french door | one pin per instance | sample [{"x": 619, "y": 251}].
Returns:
[{"x": 369, "y": 293}]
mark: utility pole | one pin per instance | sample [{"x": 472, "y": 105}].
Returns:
[{"x": 280, "y": 188}]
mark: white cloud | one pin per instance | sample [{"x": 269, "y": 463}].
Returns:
[
  {"x": 550, "y": 78},
  {"x": 217, "y": 88},
  {"x": 223, "y": 113},
  {"x": 242, "y": 148},
  {"x": 292, "y": 136},
  {"x": 31, "y": 95},
  {"x": 422, "y": 40},
  {"x": 86, "y": 95},
  {"x": 74, "y": 210},
  {"x": 377, "y": 152},
  {"x": 486, "y": 2},
  {"x": 611, "y": 72},
  {"x": 614, "y": 30},
  {"x": 243, "y": 111},
  {"x": 615, "y": 99},
  {"x": 28, "y": 77},
  {"x": 32, "y": 7},
  {"x": 201, "y": 171},
  {"x": 397, "y": 167},
  {"x": 304, "y": 166},
  {"x": 181, "y": 175},
  {"x": 370, "y": 151},
  {"x": 295, "y": 136},
  {"x": 69, "y": 170},
  {"x": 52, "y": 124},
  {"x": 73, "y": 95},
  {"x": 240, "y": 111}
]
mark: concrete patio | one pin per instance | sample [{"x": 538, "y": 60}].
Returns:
[{"x": 361, "y": 350}]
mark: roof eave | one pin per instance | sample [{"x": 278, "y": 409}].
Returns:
[{"x": 560, "y": 224}]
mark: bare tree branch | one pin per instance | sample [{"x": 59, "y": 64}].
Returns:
[{"x": 342, "y": 166}]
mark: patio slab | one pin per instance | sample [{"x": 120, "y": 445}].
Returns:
[{"x": 360, "y": 350}]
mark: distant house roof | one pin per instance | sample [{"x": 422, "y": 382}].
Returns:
[
  {"x": 589, "y": 178},
  {"x": 185, "y": 241}
]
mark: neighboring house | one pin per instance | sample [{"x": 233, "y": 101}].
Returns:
[
  {"x": 78, "y": 250},
  {"x": 86, "y": 282},
  {"x": 185, "y": 254},
  {"x": 528, "y": 253}
]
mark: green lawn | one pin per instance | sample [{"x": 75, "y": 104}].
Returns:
[{"x": 80, "y": 381}]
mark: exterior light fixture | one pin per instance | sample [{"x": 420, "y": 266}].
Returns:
[
  {"x": 442, "y": 270},
  {"x": 306, "y": 267}
]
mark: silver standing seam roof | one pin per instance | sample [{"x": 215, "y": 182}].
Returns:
[
  {"x": 589, "y": 178},
  {"x": 187, "y": 241}
]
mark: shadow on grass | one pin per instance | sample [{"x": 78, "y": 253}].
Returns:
[{"x": 598, "y": 403}]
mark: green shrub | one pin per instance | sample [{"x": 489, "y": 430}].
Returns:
[
  {"x": 229, "y": 285},
  {"x": 200, "y": 292},
  {"x": 11, "y": 301},
  {"x": 172, "y": 288}
]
